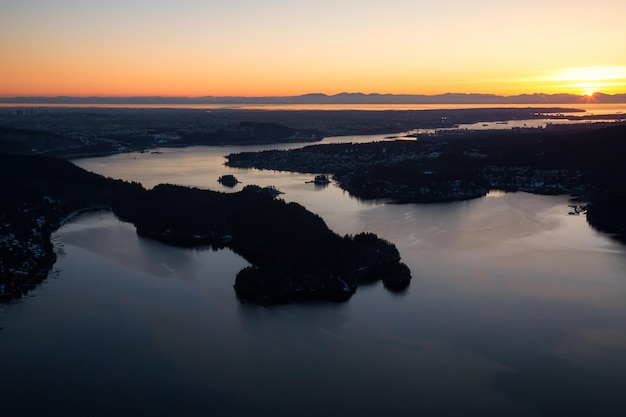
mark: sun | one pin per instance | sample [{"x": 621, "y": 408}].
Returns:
[
  {"x": 588, "y": 81},
  {"x": 589, "y": 96}
]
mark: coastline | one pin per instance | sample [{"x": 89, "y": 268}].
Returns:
[
  {"x": 357, "y": 180},
  {"x": 252, "y": 222},
  {"x": 583, "y": 162},
  {"x": 76, "y": 132}
]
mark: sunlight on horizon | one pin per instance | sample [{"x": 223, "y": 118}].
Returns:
[
  {"x": 590, "y": 80},
  {"x": 280, "y": 48}
]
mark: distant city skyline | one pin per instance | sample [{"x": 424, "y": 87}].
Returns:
[{"x": 247, "y": 48}]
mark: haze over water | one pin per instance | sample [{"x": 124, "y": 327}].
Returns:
[
  {"x": 515, "y": 308},
  {"x": 590, "y": 108}
]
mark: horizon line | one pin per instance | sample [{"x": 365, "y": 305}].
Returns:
[
  {"x": 449, "y": 93},
  {"x": 313, "y": 99}
]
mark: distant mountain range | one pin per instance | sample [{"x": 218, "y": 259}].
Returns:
[{"x": 342, "y": 98}]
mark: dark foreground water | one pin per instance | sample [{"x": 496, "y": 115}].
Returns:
[{"x": 515, "y": 309}]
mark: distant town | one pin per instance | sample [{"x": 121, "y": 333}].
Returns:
[{"x": 78, "y": 131}]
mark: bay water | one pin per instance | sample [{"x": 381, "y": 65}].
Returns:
[{"x": 515, "y": 308}]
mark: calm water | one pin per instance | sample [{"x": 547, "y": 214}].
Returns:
[
  {"x": 592, "y": 108},
  {"x": 515, "y": 309}
]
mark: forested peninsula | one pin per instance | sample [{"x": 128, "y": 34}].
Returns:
[
  {"x": 585, "y": 161},
  {"x": 293, "y": 254}
]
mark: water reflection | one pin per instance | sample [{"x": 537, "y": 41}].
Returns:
[{"x": 515, "y": 308}]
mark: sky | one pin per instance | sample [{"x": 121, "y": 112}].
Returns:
[{"x": 289, "y": 47}]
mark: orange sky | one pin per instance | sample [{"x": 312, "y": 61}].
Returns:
[{"x": 279, "y": 47}]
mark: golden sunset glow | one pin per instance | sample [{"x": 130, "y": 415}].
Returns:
[
  {"x": 587, "y": 80},
  {"x": 279, "y": 47}
]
